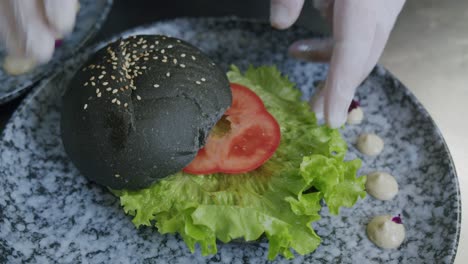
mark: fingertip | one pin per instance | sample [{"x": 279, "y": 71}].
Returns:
[
  {"x": 40, "y": 46},
  {"x": 279, "y": 16},
  {"x": 336, "y": 121},
  {"x": 283, "y": 13},
  {"x": 316, "y": 102},
  {"x": 337, "y": 99},
  {"x": 61, "y": 15},
  {"x": 317, "y": 108},
  {"x": 34, "y": 36},
  {"x": 336, "y": 113}
]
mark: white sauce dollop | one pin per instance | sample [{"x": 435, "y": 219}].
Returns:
[
  {"x": 17, "y": 65},
  {"x": 355, "y": 116},
  {"x": 385, "y": 233},
  {"x": 370, "y": 144},
  {"x": 381, "y": 185}
]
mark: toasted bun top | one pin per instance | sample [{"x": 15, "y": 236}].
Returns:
[{"x": 140, "y": 109}]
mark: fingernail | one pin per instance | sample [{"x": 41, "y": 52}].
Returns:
[
  {"x": 336, "y": 114},
  {"x": 279, "y": 16},
  {"x": 318, "y": 50},
  {"x": 298, "y": 49}
]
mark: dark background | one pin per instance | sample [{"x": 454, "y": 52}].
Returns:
[{"x": 126, "y": 14}]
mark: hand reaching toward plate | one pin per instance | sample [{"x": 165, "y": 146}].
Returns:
[
  {"x": 28, "y": 29},
  {"x": 360, "y": 32}
]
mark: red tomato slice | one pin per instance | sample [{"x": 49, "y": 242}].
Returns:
[
  {"x": 242, "y": 140},
  {"x": 244, "y": 101}
]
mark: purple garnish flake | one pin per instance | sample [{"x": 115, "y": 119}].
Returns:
[
  {"x": 397, "y": 219},
  {"x": 354, "y": 104},
  {"x": 58, "y": 42}
]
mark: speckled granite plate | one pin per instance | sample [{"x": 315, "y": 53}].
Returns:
[
  {"x": 90, "y": 18},
  {"x": 49, "y": 212}
]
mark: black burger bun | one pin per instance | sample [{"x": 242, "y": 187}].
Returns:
[{"x": 140, "y": 109}]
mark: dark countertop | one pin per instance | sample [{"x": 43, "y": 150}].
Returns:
[{"x": 129, "y": 14}]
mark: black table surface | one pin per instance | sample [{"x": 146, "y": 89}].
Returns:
[{"x": 126, "y": 14}]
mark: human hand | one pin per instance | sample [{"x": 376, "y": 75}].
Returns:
[
  {"x": 28, "y": 28},
  {"x": 360, "y": 31}
]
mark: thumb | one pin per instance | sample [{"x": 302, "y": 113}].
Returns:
[{"x": 283, "y": 13}]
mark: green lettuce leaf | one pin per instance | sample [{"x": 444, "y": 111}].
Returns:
[
  {"x": 335, "y": 180},
  {"x": 280, "y": 200}
]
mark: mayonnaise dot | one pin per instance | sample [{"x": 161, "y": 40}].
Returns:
[
  {"x": 370, "y": 144},
  {"x": 381, "y": 185},
  {"x": 385, "y": 233},
  {"x": 17, "y": 65},
  {"x": 355, "y": 116}
]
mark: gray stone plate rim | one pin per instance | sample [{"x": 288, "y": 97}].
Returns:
[
  {"x": 350, "y": 132},
  {"x": 22, "y": 83}
]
